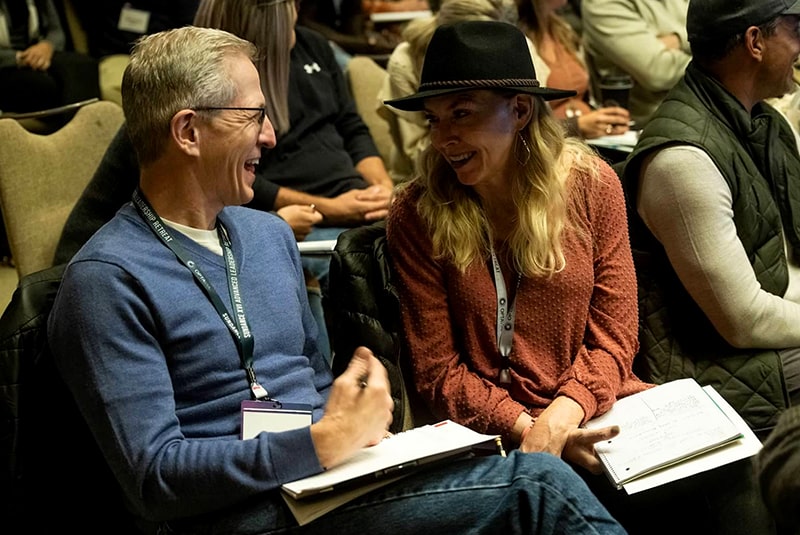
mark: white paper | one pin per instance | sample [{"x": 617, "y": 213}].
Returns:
[
  {"x": 316, "y": 246},
  {"x": 623, "y": 142},
  {"x": 661, "y": 426},
  {"x": 745, "y": 447}
]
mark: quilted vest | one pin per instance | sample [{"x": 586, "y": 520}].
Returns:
[{"x": 755, "y": 154}]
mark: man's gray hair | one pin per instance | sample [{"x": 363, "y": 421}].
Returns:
[{"x": 174, "y": 70}]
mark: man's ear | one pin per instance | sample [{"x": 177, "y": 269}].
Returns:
[
  {"x": 184, "y": 133},
  {"x": 523, "y": 109},
  {"x": 754, "y": 42}
]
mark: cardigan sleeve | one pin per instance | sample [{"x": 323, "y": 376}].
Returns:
[{"x": 602, "y": 369}]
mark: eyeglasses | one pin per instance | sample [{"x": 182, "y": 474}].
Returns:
[{"x": 262, "y": 112}]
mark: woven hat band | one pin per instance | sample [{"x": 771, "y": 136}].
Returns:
[{"x": 505, "y": 82}]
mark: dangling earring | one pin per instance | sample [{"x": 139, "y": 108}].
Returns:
[{"x": 527, "y": 150}]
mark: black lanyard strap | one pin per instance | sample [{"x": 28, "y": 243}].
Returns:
[{"x": 239, "y": 327}]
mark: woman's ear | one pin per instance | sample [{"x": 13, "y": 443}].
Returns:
[{"x": 523, "y": 108}]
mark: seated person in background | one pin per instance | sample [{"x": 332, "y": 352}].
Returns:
[
  {"x": 713, "y": 184},
  {"x": 113, "y": 25},
  {"x": 36, "y": 73},
  {"x": 410, "y": 129},
  {"x": 197, "y": 119},
  {"x": 645, "y": 39},
  {"x": 558, "y": 46},
  {"x": 347, "y": 26},
  {"x": 515, "y": 277},
  {"x": 325, "y": 157},
  {"x": 778, "y": 469}
]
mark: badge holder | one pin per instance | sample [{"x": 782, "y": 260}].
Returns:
[{"x": 273, "y": 417}]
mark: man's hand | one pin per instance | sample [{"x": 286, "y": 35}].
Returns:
[
  {"x": 357, "y": 206},
  {"x": 358, "y": 413},
  {"x": 301, "y": 217}
]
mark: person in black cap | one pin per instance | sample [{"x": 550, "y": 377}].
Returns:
[{"x": 714, "y": 194}]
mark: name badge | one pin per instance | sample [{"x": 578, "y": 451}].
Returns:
[
  {"x": 273, "y": 417},
  {"x": 133, "y": 20}
]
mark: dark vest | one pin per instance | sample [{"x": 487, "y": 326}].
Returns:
[{"x": 756, "y": 154}]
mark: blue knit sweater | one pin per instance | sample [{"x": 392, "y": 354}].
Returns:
[{"x": 157, "y": 375}]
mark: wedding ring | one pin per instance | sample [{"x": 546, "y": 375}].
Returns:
[{"x": 609, "y": 128}]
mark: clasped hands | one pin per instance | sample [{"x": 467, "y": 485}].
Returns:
[{"x": 557, "y": 432}]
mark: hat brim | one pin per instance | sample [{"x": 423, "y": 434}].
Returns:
[
  {"x": 416, "y": 102},
  {"x": 794, "y": 10}
]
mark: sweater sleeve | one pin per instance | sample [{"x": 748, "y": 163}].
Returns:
[
  {"x": 412, "y": 129},
  {"x": 51, "y": 28}
]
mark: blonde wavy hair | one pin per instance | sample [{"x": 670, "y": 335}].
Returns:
[{"x": 540, "y": 190}]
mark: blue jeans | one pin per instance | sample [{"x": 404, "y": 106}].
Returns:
[{"x": 524, "y": 493}]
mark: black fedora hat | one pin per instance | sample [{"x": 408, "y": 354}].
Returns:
[{"x": 476, "y": 55}]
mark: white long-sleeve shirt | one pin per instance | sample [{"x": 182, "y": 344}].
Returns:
[{"x": 687, "y": 204}]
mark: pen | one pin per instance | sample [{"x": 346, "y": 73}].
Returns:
[{"x": 500, "y": 449}]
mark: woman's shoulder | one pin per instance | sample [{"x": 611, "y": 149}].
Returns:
[
  {"x": 405, "y": 202},
  {"x": 588, "y": 172}
]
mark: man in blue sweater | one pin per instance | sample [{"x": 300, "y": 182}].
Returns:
[{"x": 186, "y": 304}]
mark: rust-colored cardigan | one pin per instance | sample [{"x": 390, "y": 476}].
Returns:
[{"x": 575, "y": 334}]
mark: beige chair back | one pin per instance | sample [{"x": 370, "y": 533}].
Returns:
[
  {"x": 366, "y": 77},
  {"x": 42, "y": 177}
]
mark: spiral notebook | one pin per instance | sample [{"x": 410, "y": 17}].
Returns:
[{"x": 669, "y": 425}]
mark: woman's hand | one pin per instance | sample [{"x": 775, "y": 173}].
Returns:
[
  {"x": 579, "y": 448},
  {"x": 604, "y": 122},
  {"x": 557, "y": 431}
]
